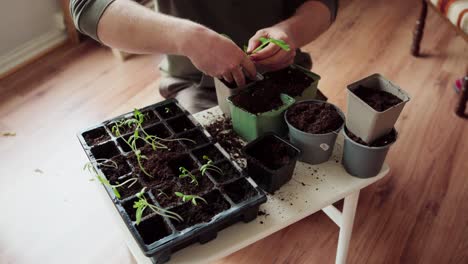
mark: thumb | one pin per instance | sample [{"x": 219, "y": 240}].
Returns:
[{"x": 253, "y": 43}]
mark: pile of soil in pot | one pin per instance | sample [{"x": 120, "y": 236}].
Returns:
[
  {"x": 377, "y": 99},
  {"x": 290, "y": 81},
  {"x": 380, "y": 142},
  {"x": 271, "y": 152},
  {"x": 264, "y": 96},
  {"x": 315, "y": 118}
]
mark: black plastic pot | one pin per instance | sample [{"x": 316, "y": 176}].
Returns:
[
  {"x": 235, "y": 195},
  {"x": 268, "y": 176}
]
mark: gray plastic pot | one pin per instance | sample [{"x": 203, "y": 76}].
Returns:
[
  {"x": 363, "y": 161},
  {"x": 315, "y": 148},
  {"x": 364, "y": 121}
]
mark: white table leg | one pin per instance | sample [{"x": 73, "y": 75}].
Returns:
[{"x": 346, "y": 227}]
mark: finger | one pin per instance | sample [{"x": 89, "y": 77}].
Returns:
[
  {"x": 238, "y": 75},
  {"x": 268, "y": 51},
  {"x": 228, "y": 77},
  {"x": 249, "y": 68},
  {"x": 254, "y": 41},
  {"x": 279, "y": 58}
]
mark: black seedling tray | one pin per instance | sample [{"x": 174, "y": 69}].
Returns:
[{"x": 232, "y": 197}]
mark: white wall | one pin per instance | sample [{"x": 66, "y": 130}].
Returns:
[
  {"x": 23, "y": 20},
  {"x": 23, "y": 23}
]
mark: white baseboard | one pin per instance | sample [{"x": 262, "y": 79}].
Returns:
[{"x": 30, "y": 49}]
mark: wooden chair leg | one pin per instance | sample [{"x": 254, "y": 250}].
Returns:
[
  {"x": 419, "y": 29},
  {"x": 461, "y": 107}
]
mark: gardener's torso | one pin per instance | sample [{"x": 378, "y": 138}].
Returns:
[{"x": 239, "y": 19}]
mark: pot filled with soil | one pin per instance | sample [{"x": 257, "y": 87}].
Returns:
[
  {"x": 313, "y": 128},
  {"x": 295, "y": 81},
  {"x": 171, "y": 183},
  {"x": 257, "y": 111},
  {"x": 225, "y": 90},
  {"x": 364, "y": 160},
  {"x": 271, "y": 161},
  {"x": 374, "y": 105}
]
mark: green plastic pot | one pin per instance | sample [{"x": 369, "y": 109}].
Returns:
[{"x": 250, "y": 126}]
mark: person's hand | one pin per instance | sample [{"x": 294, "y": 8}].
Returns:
[
  {"x": 272, "y": 57},
  {"x": 218, "y": 56}
]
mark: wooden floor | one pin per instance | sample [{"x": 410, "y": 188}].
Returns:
[{"x": 52, "y": 213}]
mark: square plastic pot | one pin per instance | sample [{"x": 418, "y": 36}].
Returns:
[
  {"x": 363, "y": 161},
  {"x": 310, "y": 92},
  {"x": 251, "y": 126},
  {"x": 269, "y": 179},
  {"x": 315, "y": 148},
  {"x": 223, "y": 92},
  {"x": 364, "y": 121}
]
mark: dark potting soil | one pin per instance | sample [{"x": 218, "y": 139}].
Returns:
[
  {"x": 314, "y": 118},
  {"x": 271, "y": 152},
  {"x": 165, "y": 194},
  {"x": 377, "y": 99},
  {"x": 265, "y": 95},
  {"x": 288, "y": 80},
  {"x": 168, "y": 110},
  {"x": 221, "y": 130},
  {"x": 210, "y": 151},
  {"x": 161, "y": 164},
  {"x": 153, "y": 229},
  {"x": 204, "y": 185},
  {"x": 261, "y": 99},
  {"x": 239, "y": 190},
  {"x": 126, "y": 191},
  {"x": 229, "y": 172},
  {"x": 380, "y": 142},
  {"x": 203, "y": 212},
  {"x": 111, "y": 172},
  {"x": 96, "y": 136}
]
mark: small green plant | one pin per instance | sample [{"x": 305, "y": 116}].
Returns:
[
  {"x": 186, "y": 173},
  {"x": 192, "y": 198},
  {"x": 209, "y": 166},
  {"x": 265, "y": 41},
  {"x": 108, "y": 163},
  {"x": 167, "y": 110},
  {"x": 114, "y": 187},
  {"x": 142, "y": 204}
]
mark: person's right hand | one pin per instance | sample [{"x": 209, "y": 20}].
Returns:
[{"x": 218, "y": 56}]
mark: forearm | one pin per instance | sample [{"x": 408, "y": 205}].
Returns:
[
  {"x": 309, "y": 21},
  {"x": 128, "y": 26}
]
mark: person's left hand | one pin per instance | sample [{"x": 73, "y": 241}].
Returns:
[{"x": 272, "y": 57}]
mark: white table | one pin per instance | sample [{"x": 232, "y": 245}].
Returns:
[{"x": 313, "y": 188}]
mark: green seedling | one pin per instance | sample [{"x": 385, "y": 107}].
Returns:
[
  {"x": 186, "y": 173},
  {"x": 192, "y": 198},
  {"x": 114, "y": 187},
  {"x": 167, "y": 110},
  {"x": 112, "y": 164},
  {"x": 142, "y": 204},
  {"x": 209, "y": 166},
  {"x": 265, "y": 41}
]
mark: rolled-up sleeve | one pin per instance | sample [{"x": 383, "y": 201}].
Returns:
[{"x": 87, "y": 13}]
